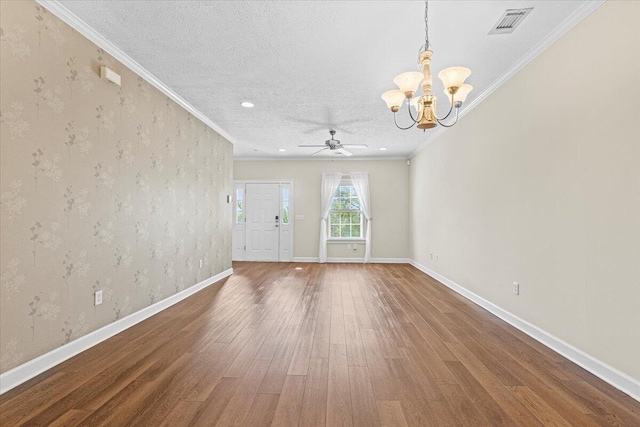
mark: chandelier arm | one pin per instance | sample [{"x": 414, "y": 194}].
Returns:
[
  {"x": 448, "y": 114},
  {"x": 449, "y": 125},
  {"x": 395, "y": 120}
]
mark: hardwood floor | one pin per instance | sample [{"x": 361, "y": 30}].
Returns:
[{"x": 331, "y": 344}]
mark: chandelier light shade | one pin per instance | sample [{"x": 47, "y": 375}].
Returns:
[
  {"x": 408, "y": 82},
  {"x": 461, "y": 93},
  {"x": 413, "y": 102},
  {"x": 394, "y": 99},
  {"x": 453, "y": 77},
  {"x": 424, "y": 105}
]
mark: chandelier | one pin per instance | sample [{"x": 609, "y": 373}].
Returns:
[{"x": 455, "y": 90}]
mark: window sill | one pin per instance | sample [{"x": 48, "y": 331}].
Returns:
[{"x": 346, "y": 240}]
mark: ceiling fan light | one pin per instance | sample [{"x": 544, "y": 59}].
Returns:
[
  {"x": 394, "y": 99},
  {"x": 408, "y": 82},
  {"x": 461, "y": 94},
  {"x": 454, "y": 77}
]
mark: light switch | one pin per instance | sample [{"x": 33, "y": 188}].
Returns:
[{"x": 299, "y": 217}]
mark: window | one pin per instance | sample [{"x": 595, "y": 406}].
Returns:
[
  {"x": 285, "y": 206},
  {"x": 239, "y": 210},
  {"x": 345, "y": 218}
]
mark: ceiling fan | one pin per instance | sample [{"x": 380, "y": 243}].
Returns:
[
  {"x": 335, "y": 146},
  {"x": 320, "y": 121}
]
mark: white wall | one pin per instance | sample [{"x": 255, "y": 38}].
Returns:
[
  {"x": 389, "y": 181},
  {"x": 540, "y": 184}
]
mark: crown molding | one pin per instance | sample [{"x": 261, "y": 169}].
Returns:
[
  {"x": 71, "y": 19},
  {"x": 574, "y": 19},
  {"x": 59, "y": 10}
]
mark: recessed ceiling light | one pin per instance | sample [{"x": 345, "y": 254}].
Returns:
[
  {"x": 383, "y": 149},
  {"x": 282, "y": 149},
  {"x": 247, "y": 104}
]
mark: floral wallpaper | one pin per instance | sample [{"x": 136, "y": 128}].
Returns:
[{"x": 102, "y": 188}]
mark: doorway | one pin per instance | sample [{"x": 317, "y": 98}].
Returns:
[{"x": 263, "y": 221}]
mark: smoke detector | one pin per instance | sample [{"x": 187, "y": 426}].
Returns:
[{"x": 509, "y": 21}]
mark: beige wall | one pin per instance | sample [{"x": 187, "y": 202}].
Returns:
[
  {"x": 540, "y": 184},
  {"x": 389, "y": 182},
  {"x": 102, "y": 187}
]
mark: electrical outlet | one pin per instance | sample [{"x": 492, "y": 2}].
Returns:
[
  {"x": 200, "y": 263},
  {"x": 97, "y": 298},
  {"x": 516, "y": 288},
  {"x": 355, "y": 246}
]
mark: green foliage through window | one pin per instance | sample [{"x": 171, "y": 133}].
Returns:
[
  {"x": 285, "y": 206},
  {"x": 345, "y": 218},
  {"x": 239, "y": 206}
]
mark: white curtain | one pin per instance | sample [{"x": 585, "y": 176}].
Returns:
[
  {"x": 330, "y": 182},
  {"x": 360, "y": 182}
]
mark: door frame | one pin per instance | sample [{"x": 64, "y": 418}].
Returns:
[{"x": 243, "y": 183}]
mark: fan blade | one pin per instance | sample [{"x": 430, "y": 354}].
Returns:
[
  {"x": 307, "y": 121},
  {"x": 344, "y": 152},
  {"x": 355, "y": 145},
  {"x": 328, "y": 123},
  {"x": 311, "y": 146},
  {"x": 319, "y": 151}
]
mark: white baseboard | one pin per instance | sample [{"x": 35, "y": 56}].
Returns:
[
  {"x": 355, "y": 260},
  {"x": 34, "y": 367},
  {"x": 305, "y": 259},
  {"x": 600, "y": 369},
  {"x": 390, "y": 260},
  {"x": 345, "y": 260}
]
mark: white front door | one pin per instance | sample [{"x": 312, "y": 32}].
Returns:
[{"x": 262, "y": 210}]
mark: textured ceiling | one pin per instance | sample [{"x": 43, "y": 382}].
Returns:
[{"x": 310, "y": 66}]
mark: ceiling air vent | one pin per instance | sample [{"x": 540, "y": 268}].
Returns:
[{"x": 510, "y": 20}]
